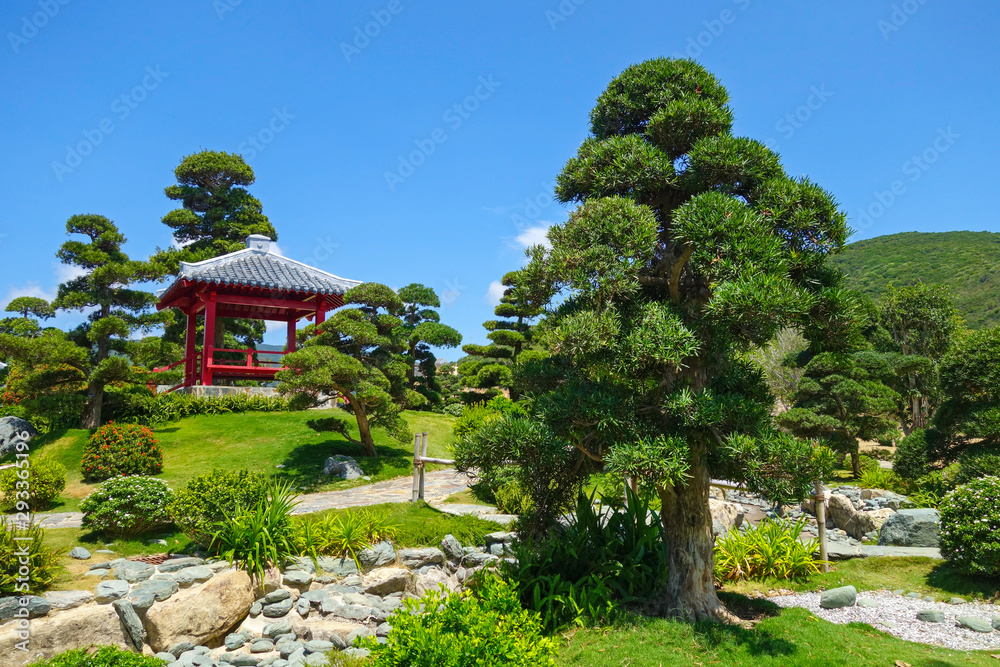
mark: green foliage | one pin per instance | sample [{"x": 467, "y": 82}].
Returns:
[
  {"x": 46, "y": 379},
  {"x": 214, "y": 496},
  {"x": 125, "y": 507},
  {"x": 105, "y": 656},
  {"x": 46, "y": 480},
  {"x": 973, "y": 465},
  {"x": 121, "y": 449},
  {"x": 881, "y": 478},
  {"x": 453, "y": 409},
  {"x": 343, "y": 534},
  {"x": 484, "y": 627},
  {"x": 970, "y": 521},
  {"x": 911, "y": 460},
  {"x": 255, "y": 539},
  {"x": 771, "y": 549},
  {"x": 575, "y": 574},
  {"x": 42, "y": 565},
  {"x": 423, "y": 329},
  {"x": 963, "y": 262},
  {"x": 476, "y": 415},
  {"x": 510, "y": 498},
  {"x": 138, "y": 405}
]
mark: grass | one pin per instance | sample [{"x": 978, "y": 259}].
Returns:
[
  {"x": 927, "y": 576},
  {"x": 465, "y": 498},
  {"x": 780, "y": 638},
  {"x": 259, "y": 441}
]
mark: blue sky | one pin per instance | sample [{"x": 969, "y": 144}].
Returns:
[{"x": 368, "y": 169}]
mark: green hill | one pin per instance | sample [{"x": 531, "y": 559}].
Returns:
[{"x": 968, "y": 263}]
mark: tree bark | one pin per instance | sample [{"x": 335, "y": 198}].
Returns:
[
  {"x": 856, "y": 463},
  {"x": 92, "y": 414},
  {"x": 687, "y": 525},
  {"x": 364, "y": 430}
]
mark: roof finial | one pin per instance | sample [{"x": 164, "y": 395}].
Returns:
[{"x": 259, "y": 243}]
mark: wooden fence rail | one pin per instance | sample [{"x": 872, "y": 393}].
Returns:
[{"x": 419, "y": 459}]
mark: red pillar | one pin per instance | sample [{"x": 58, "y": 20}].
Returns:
[
  {"x": 208, "y": 346},
  {"x": 190, "y": 347},
  {"x": 320, "y": 309},
  {"x": 291, "y": 336}
]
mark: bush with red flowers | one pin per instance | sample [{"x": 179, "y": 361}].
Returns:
[{"x": 121, "y": 449}]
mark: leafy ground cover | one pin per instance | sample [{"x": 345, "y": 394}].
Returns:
[
  {"x": 258, "y": 441},
  {"x": 778, "y": 638}
]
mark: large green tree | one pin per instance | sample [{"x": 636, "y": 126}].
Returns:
[
  {"x": 488, "y": 368},
  {"x": 423, "y": 329},
  {"x": 116, "y": 310},
  {"x": 358, "y": 354},
  {"x": 31, "y": 309},
  {"x": 690, "y": 246},
  {"x": 216, "y": 216}
]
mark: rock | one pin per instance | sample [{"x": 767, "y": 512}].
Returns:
[
  {"x": 914, "y": 595},
  {"x": 109, "y": 591},
  {"x": 177, "y": 564},
  {"x": 132, "y": 571},
  {"x": 157, "y": 589},
  {"x": 192, "y": 575},
  {"x": 727, "y": 515},
  {"x": 996, "y": 622},
  {"x": 418, "y": 558},
  {"x": 180, "y": 647},
  {"x": 911, "y": 528},
  {"x": 245, "y": 660},
  {"x": 302, "y": 563},
  {"x": 287, "y": 647},
  {"x": 302, "y": 606},
  {"x": 353, "y": 652},
  {"x": 255, "y": 609},
  {"x": 316, "y": 660},
  {"x": 277, "y": 596},
  {"x": 383, "y": 630},
  {"x": 379, "y": 555},
  {"x": 343, "y": 467},
  {"x": 930, "y": 616},
  {"x": 863, "y": 523},
  {"x": 504, "y": 538},
  {"x": 835, "y": 598},
  {"x": 340, "y": 567},
  {"x": 62, "y": 600},
  {"x": 315, "y": 597},
  {"x": 387, "y": 580},
  {"x": 273, "y": 630},
  {"x": 350, "y": 612},
  {"x": 433, "y": 579},
  {"x": 319, "y": 646},
  {"x": 56, "y": 633},
  {"x": 12, "y": 431},
  {"x": 974, "y": 624},
  {"x": 452, "y": 548},
  {"x": 956, "y": 601},
  {"x": 868, "y": 494},
  {"x": 201, "y": 614},
  {"x": 234, "y": 641},
  {"x": 164, "y": 656},
  {"x": 133, "y": 626},
  {"x": 358, "y": 634},
  {"x": 841, "y": 510},
  {"x": 262, "y": 646},
  {"x": 331, "y": 630},
  {"x": 278, "y": 609},
  {"x": 297, "y": 579},
  {"x": 862, "y": 602},
  {"x": 477, "y": 559},
  {"x": 79, "y": 553}
]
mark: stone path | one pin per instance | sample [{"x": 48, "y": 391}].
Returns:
[{"x": 438, "y": 485}]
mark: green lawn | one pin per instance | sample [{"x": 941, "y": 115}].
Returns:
[
  {"x": 786, "y": 638},
  {"x": 259, "y": 441}
]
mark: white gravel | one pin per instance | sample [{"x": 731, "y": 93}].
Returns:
[{"x": 901, "y": 612}]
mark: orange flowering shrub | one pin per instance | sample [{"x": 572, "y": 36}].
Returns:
[{"x": 121, "y": 449}]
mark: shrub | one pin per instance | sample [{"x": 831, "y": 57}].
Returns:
[
  {"x": 128, "y": 506},
  {"x": 867, "y": 463},
  {"x": 343, "y": 534},
  {"x": 769, "y": 550},
  {"x": 42, "y": 562},
  {"x": 511, "y": 498},
  {"x": 881, "y": 478},
  {"x": 138, "y": 405},
  {"x": 477, "y": 415},
  {"x": 482, "y": 627},
  {"x": 973, "y": 465},
  {"x": 260, "y": 537},
  {"x": 576, "y": 573},
  {"x": 970, "y": 521},
  {"x": 213, "y": 497},
  {"x": 121, "y": 449},
  {"x": 912, "y": 459},
  {"x": 106, "y": 656},
  {"x": 46, "y": 480},
  {"x": 453, "y": 410}
]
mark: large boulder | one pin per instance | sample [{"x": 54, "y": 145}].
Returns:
[
  {"x": 725, "y": 516},
  {"x": 343, "y": 467},
  {"x": 911, "y": 528},
  {"x": 63, "y": 631},
  {"x": 201, "y": 614},
  {"x": 377, "y": 555},
  {"x": 840, "y": 510},
  {"x": 863, "y": 523},
  {"x": 434, "y": 579},
  {"x": 387, "y": 580},
  {"x": 835, "y": 598},
  {"x": 12, "y": 431},
  {"x": 418, "y": 558}
]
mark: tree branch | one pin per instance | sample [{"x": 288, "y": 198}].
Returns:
[{"x": 675, "y": 274}]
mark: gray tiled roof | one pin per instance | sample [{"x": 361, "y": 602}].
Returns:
[{"x": 260, "y": 267}]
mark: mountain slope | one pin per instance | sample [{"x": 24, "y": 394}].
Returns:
[{"x": 968, "y": 263}]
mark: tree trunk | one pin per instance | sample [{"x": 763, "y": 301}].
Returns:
[
  {"x": 917, "y": 408},
  {"x": 687, "y": 525},
  {"x": 856, "y": 463},
  {"x": 92, "y": 413},
  {"x": 364, "y": 430}
]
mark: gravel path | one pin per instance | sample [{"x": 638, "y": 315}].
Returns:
[{"x": 897, "y": 615}]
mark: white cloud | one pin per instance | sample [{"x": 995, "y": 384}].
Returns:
[
  {"x": 494, "y": 292},
  {"x": 28, "y": 290},
  {"x": 67, "y": 272},
  {"x": 533, "y": 236}
]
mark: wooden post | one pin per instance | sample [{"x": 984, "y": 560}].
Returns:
[
  {"x": 209, "y": 343},
  {"x": 290, "y": 345},
  {"x": 416, "y": 469},
  {"x": 320, "y": 309},
  {"x": 820, "y": 506},
  {"x": 423, "y": 467}
]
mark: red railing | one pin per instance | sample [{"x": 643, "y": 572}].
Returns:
[{"x": 248, "y": 361}]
